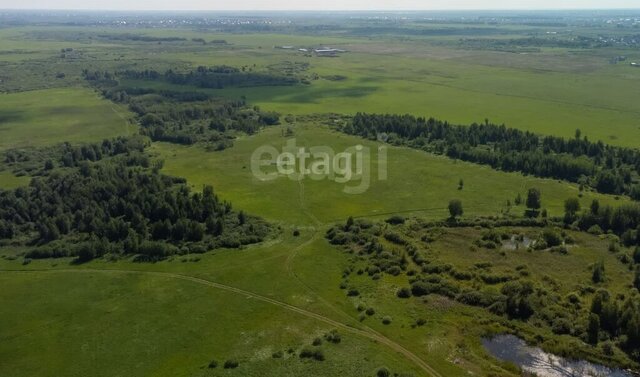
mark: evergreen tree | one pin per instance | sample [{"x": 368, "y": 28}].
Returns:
[{"x": 593, "y": 329}]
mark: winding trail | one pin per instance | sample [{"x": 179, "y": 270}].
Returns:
[{"x": 340, "y": 325}]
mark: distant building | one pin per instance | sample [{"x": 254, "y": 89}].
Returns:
[
  {"x": 637, "y": 65},
  {"x": 327, "y": 51},
  {"x": 285, "y": 47}
]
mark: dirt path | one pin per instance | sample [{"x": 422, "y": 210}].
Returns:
[{"x": 364, "y": 333}]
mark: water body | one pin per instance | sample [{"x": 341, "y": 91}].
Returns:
[{"x": 532, "y": 359}]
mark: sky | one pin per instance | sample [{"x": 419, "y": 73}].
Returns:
[{"x": 317, "y": 4}]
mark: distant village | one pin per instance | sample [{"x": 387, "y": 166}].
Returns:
[
  {"x": 618, "y": 59},
  {"x": 319, "y": 51}
]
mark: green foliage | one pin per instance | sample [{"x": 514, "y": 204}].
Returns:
[
  {"x": 404, "y": 292},
  {"x": 455, "y": 208},
  {"x": 597, "y": 275},
  {"x": 312, "y": 353},
  {"x": 125, "y": 208},
  {"x": 231, "y": 364},
  {"x": 593, "y": 329},
  {"x": 333, "y": 337},
  {"x": 551, "y": 237},
  {"x": 526, "y": 152},
  {"x": 571, "y": 208}
]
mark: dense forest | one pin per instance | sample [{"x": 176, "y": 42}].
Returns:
[
  {"x": 36, "y": 161},
  {"x": 183, "y": 117},
  {"x": 120, "y": 205},
  {"x": 109, "y": 198},
  {"x": 605, "y": 168}
]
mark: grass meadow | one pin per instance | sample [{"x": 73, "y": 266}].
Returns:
[
  {"x": 553, "y": 91},
  {"x": 50, "y": 116},
  {"x": 417, "y": 184},
  {"x": 117, "y": 317}
]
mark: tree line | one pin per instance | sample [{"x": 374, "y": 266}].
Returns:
[
  {"x": 217, "y": 77},
  {"x": 183, "y": 117},
  {"x": 605, "y": 168}
]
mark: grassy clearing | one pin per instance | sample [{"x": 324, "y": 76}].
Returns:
[
  {"x": 9, "y": 181},
  {"x": 180, "y": 325},
  {"x": 45, "y": 117},
  {"x": 418, "y": 183}
]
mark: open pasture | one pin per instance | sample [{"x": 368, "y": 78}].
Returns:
[
  {"x": 417, "y": 182},
  {"x": 46, "y": 117}
]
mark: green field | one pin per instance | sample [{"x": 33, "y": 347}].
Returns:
[
  {"x": 550, "y": 92},
  {"x": 115, "y": 316},
  {"x": 46, "y": 117},
  {"x": 418, "y": 183}
]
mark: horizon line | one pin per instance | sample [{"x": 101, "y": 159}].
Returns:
[{"x": 321, "y": 10}]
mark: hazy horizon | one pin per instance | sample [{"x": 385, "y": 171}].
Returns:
[{"x": 317, "y": 5}]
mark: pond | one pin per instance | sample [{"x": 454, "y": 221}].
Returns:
[{"x": 534, "y": 360}]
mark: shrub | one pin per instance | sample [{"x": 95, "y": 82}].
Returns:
[
  {"x": 461, "y": 275},
  {"x": 573, "y": 298},
  {"x": 479, "y": 298},
  {"x": 353, "y": 292},
  {"x": 551, "y": 237},
  {"x": 444, "y": 288},
  {"x": 277, "y": 355},
  {"x": 495, "y": 278},
  {"x": 333, "y": 337},
  {"x": 310, "y": 353},
  {"x": 561, "y": 326},
  {"x": 404, "y": 292},
  {"x": 370, "y": 311},
  {"x": 213, "y": 364},
  {"x": 395, "y": 238},
  {"x": 231, "y": 364},
  {"x": 372, "y": 270},
  {"x": 386, "y": 320},
  {"x": 317, "y": 342},
  {"x": 595, "y": 230},
  {"x": 395, "y": 220},
  {"x": 608, "y": 348},
  {"x": 383, "y": 372},
  {"x": 436, "y": 268},
  {"x": 394, "y": 270}
]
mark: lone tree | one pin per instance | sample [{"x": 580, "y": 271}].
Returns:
[
  {"x": 533, "y": 202},
  {"x": 455, "y": 208},
  {"x": 598, "y": 272},
  {"x": 571, "y": 208}
]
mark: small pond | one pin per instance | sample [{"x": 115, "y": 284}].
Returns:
[{"x": 534, "y": 360}]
